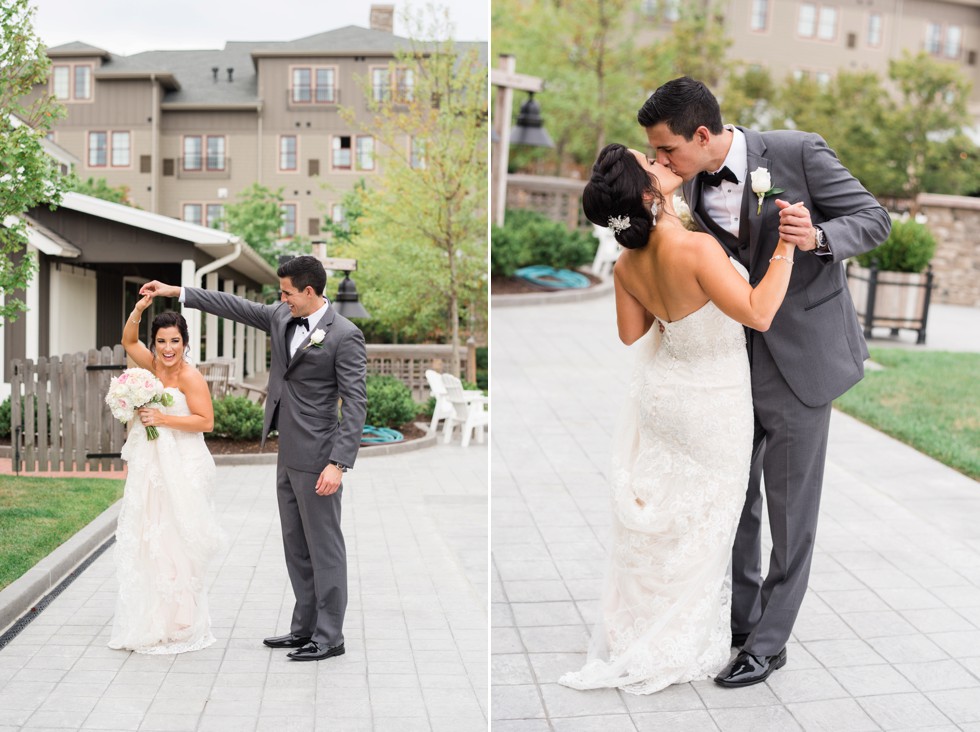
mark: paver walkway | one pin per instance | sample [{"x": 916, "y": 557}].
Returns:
[
  {"x": 416, "y": 630},
  {"x": 889, "y": 634}
]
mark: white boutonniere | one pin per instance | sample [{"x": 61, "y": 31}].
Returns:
[
  {"x": 316, "y": 339},
  {"x": 762, "y": 186}
]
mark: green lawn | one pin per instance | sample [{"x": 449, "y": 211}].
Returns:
[
  {"x": 39, "y": 514},
  {"x": 927, "y": 399}
]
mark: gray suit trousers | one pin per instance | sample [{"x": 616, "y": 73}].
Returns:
[
  {"x": 789, "y": 451},
  {"x": 316, "y": 556}
]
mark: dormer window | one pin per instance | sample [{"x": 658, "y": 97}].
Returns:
[{"x": 72, "y": 82}]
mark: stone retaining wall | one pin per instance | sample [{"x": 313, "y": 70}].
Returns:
[{"x": 955, "y": 222}]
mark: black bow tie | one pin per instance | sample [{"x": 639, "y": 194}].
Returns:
[
  {"x": 305, "y": 322},
  {"x": 715, "y": 179}
]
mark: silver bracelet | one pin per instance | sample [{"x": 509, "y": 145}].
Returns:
[{"x": 780, "y": 256}]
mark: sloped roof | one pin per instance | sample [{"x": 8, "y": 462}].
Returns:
[
  {"x": 77, "y": 48},
  {"x": 189, "y": 79}
]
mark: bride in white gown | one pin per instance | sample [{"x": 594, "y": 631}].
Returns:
[
  {"x": 682, "y": 450},
  {"x": 167, "y": 532}
]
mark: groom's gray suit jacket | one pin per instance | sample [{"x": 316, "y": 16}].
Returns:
[
  {"x": 815, "y": 338},
  {"x": 303, "y": 390}
]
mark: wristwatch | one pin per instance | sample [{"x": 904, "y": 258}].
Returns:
[
  {"x": 343, "y": 468},
  {"x": 821, "y": 240}
]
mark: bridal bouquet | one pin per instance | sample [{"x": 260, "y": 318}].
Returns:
[{"x": 133, "y": 389}]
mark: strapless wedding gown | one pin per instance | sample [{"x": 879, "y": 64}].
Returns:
[
  {"x": 680, "y": 467},
  {"x": 165, "y": 538}
]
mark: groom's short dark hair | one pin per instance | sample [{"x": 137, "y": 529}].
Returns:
[
  {"x": 304, "y": 271},
  {"x": 684, "y": 104}
]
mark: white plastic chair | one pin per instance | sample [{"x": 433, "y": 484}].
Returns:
[
  {"x": 469, "y": 411},
  {"x": 607, "y": 251},
  {"x": 443, "y": 408}
]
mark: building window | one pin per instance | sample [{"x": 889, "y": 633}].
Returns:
[
  {"x": 216, "y": 152},
  {"x": 417, "y": 159},
  {"x": 337, "y": 213},
  {"x": 83, "y": 82},
  {"x": 61, "y": 82},
  {"x": 326, "y": 88},
  {"x": 954, "y": 37},
  {"x": 874, "y": 30},
  {"x": 822, "y": 78},
  {"x": 301, "y": 85},
  {"x": 72, "y": 82},
  {"x": 381, "y": 84},
  {"x": 314, "y": 84},
  {"x": 192, "y": 153},
  {"x": 98, "y": 149},
  {"x": 192, "y": 213},
  {"x": 341, "y": 152},
  {"x": 120, "y": 150},
  {"x": 365, "y": 152},
  {"x": 806, "y": 26},
  {"x": 287, "y": 153},
  {"x": 288, "y": 220},
  {"x": 760, "y": 15},
  {"x": 827, "y": 23},
  {"x": 404, "y": 85},
  {"x": 934, "y": 38},
  {"x": 215, "y": 213}
]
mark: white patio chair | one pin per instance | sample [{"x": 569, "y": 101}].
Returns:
[
  {"x": 443, "y": 408},
  {"x": 469, "y": 411},
  {"x": 607, "y": 251}
]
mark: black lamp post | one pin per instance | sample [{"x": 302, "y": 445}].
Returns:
[{"x": 347, "y": 303}]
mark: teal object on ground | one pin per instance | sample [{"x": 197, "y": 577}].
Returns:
[
  {"x": 545, "y": 276},
  {"x": 379, "y": 435}
]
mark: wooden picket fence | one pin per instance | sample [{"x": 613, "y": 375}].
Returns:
[{"x": 59, "y": 418}]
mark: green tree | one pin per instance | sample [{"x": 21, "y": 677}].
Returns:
[
  {"x": 28, "y": 176},
  {"x": 422, "y": 247},
  {"x": 256, "y": 216},
  {"x": 698, "y": 44},
  {"x": 100, "y": 188}
]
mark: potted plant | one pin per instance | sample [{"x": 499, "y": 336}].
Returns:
[{"x": 891, "y": 286}]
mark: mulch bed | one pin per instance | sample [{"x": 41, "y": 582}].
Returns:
[
  {"x": 225, "y": 446},
  {"x": 500, "y": 285}
]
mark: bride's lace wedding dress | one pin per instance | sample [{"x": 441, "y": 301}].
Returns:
[
  {"x": 680, "y": 468},
  {"x": 166, "y": 536}
]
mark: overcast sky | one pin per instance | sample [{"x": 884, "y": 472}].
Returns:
[{"x": 129, "y": 26}]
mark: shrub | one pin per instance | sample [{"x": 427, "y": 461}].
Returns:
[
  {"x": 238, "y": 418},
  {"x": 528, "y": 237},
  {"x": 390, "y": 402},
  {"x": 5, "y": 418},
  {"x": 908, "y": 248},
  {"x": 483, "y": 368}
]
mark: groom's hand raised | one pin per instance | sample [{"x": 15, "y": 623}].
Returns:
[
  {"x": 156, "y": 288},
  {"x": 329, "y": 480}
]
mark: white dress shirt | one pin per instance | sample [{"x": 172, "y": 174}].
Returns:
[
  {"x": 723, "y": 203},
  {"x": 300, "y": 332}
]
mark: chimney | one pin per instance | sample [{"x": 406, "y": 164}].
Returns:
[
  {"x": 230, "y": 72},
  {"x": 214, "y": 71},
  {"x": 383, "y": 18}
]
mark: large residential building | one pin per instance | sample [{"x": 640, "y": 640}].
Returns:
[
  {"x": 186, "y": 131},
  {"x": 817, "y": 39}
]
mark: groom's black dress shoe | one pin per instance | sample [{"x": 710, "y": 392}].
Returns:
[
  {"x": 286, "y": 641},
  {"x": 313, "y": 651},
  {"x": 738, "y": 639},
  {"x": 748, "y": 669}
]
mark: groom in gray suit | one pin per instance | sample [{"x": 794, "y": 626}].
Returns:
[
  {"x": 813, "y": 352},
  {"x": 318, "y": 357}
]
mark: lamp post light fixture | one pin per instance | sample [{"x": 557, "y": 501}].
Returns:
[
  {"x": 346, "y": 303},
  {"x": 528, "y": 131}
]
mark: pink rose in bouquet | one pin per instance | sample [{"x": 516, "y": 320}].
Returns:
[{"x": 134, "y": 389}]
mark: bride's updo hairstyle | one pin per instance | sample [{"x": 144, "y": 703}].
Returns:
[
  {"x": 169, "y": 319},
  {"x": 615, "y": 193}
]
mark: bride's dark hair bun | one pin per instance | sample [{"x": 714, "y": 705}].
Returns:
[{"x": 616, "y": 190}]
